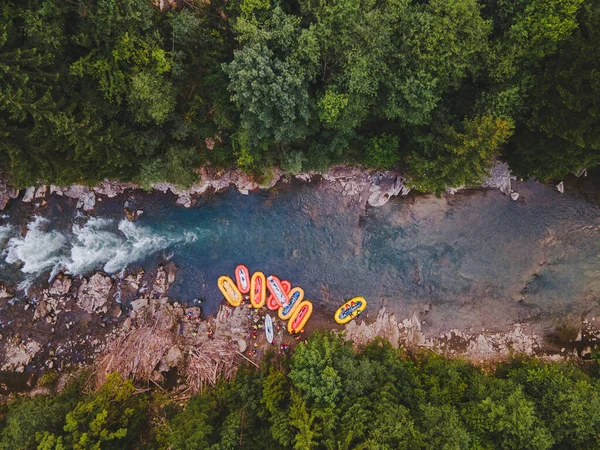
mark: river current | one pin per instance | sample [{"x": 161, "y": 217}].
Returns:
[{"x": 473, "y": 259}]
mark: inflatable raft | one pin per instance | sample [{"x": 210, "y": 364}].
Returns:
[
  {"x": 242, "y": 278},
  {"x": 269, "y": 328},
  {"x": 258, "y": 289},
  {"x": 350, "y": 310},
  {"x": 276, "y": 289},
  {"x": 300, "y": 317},
  {"x": 229, "y": 290},
  {"x": 272, "y": 302},
  {"x": 295, "y": 297}
]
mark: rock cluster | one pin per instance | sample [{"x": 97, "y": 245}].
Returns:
[
  {"x": 477, "y": 346},
  {"x": 94, "y": 293}
]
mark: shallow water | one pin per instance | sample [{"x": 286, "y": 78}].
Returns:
[{"x": 474, "y": 259}]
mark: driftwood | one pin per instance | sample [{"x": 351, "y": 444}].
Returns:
[
  {"x": 209, "y": 359},
  {"x": 143, "y": 352}
]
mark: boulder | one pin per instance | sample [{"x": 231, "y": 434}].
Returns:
[
  {"x": 139, "y": 304},
  {"x": 130, "y": 215},
  {"x": 174, "y": 357},
  {"x": 5, "y": 292},
  {"x": 498, "y": 178},
  {"x": 42, "y": 310},
  {"x": 41, "y": 192},
  {"x": 17, "y": 356},
  {"x": 87, "y": 201},
  {"x": 514, "y": 196},
  {"x": 61, "y": 286},
  {"x": 93, "y": 294},
  {"x": 56, "y": 190},
  {"x": 560, "y": 187},
  {"x": 184, "y": 200},
  {"x": 29, "y": 195},
  {"x": 6, "y": 193},
  {"x": 112, "y": 188}
]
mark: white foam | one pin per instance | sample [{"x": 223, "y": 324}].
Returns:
[
  {"x": 92, "y": 245},
  {"x": 139, "y": 243},
  {"x": 39, "y": 250}
]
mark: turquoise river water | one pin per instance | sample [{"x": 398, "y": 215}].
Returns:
[{"x": 473, "y": 259}]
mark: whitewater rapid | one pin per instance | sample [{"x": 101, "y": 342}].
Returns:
[{"x": 92, "y": 244}]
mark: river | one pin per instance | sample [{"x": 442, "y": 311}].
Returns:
[{"x": 473, "y": 259}]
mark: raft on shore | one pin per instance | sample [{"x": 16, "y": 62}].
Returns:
[
  {"x": 229, "y": 290},
  {"x": 350, "y": 310},
  {"x": 300, "y": 317}
]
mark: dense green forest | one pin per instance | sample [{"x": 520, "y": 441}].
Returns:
[
  {"x": 327, "y": 396},
  {"x": 115, "y": 88}
]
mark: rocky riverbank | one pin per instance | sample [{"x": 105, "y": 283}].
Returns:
[
  {"x": 130, "y": 325},
  {"x": 372, "y": 187}
]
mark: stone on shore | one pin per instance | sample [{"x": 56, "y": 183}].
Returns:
[
  {"x": 184, "y": 200},
  {"x": 94, "y": 293},
  {"x": 17, "y": 356},
  {"x": 498, "y": 177},
  {"x": 112, "y": 188},
  {"x": 560, "y": 187},
  {"x": 61, "y": 285},
  {"x": 29, "y": 195},
  {"x": 7, "y": 193},
  {"x": 42, "y": 310},
  {"x": 5, "y": 292},
  {"x": 514, "y": 196}
]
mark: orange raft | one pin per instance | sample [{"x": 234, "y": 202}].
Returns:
[
  {"x": 272, "y": 302},
  {"x": 258, "y": 290},
  {"x": 229, "y": 290},
  {"x": 300, "y": 317},
  {"x": 295, "y": 296},
  {"x": 242, "y": 278}
]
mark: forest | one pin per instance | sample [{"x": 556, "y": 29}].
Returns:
[
  {"x": 117, "y": 89},
  {"x": 326, "y": 395}
]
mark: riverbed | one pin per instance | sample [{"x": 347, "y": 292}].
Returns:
[{"x": 473, "y": 259}]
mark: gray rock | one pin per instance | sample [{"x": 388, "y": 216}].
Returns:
[
  {"x": 514, "y": 196},
  {"x": 94, "y": 293},
  {"x": 174, "y": 357},
  {"x": 139, "y": 304},
  {"x": 42, "y": 310},
  {"x": 5, "y": 292},
  {"x": 6, "y": 193},
  {"x": 29, "y": 195},
  {"x": 61, "y": 286},
  {"x": 41, "y": 191},
  {"x": 184, "y": 200}
]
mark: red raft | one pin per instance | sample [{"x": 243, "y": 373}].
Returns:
[
  {"x": 258, "y": 290},
  {"x": 272, "y": 302},
  {"x": 242, "y": 278}
]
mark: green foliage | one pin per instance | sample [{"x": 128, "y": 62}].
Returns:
[
  {"x": 380, "y": 399},
  {"x": 382, "y": 151},
  {"x": 25, "y": 418},
  {"x": 112, "y": 417},
  {"x": 451, "y": 158},
  {"x": 561, "y": 133},
  {"x": 116, "y": 89}
]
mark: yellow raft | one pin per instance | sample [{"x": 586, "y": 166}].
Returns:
[
  {"x": 229, "y": 290},
  {"x": 294, "y": 298},
  {"x": 258, "y": 289},
  {"x": 300, "y": 317},
  {"x": 350, "y": 310}
]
